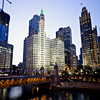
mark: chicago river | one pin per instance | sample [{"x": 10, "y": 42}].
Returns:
[{"x": 31, "y": 92}]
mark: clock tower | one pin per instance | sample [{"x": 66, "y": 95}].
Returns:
[
  {"x": 38, "y": 48},
  {"x": 44, "y": 43}
]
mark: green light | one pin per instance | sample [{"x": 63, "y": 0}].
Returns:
[{"x": 41, "y": 11}]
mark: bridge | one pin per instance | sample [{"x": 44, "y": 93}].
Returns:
[
  {"x": 40, "y": 80},
  {"x": 12, "y": 81},
  {"x": 50, "y": 80}
]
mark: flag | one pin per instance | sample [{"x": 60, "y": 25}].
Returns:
[{"x": 81, "y": 4}]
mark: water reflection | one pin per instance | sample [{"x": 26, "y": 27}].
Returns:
[
  {"x": 71, "y": 98},
  {"x": 15, "y": 92},
  {"x": 88, "y": 98},
  {"x": 4, "y": 94},
  {"x": 32, "y": 92},
  {"x": 67, "y": 97},
  {"x": 82, "y": 97}
]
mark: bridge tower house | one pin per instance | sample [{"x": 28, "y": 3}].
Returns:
[{"x": 56, "y": 75}]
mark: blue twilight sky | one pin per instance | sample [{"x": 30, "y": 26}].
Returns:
[{"x": 58, "y": 13}]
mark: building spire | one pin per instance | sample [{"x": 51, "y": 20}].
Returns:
[{"x": 41, "y": 11}]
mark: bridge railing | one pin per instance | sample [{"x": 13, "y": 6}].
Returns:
[{"x": 23, "y": 81}]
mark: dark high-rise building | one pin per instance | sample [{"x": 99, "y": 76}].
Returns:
[
  {"x": 80, "y": 57},
  {"x": 4, "y": 26},
  {"x": 66, "y": 36},
  {"x": 99, "y": 42},
  {"x": 25, "y": 53},
  {"x": 99, "y": 47},
  {"x": 67, "y": 58},
  {"x": 88, "y": 40},
  {"x": 34, "y": 25},
  {"x": 6, "y": 54},
  {"x": 73, "y": 57}
]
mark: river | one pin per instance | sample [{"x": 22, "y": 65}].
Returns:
[{"x": 31, "y": 92}]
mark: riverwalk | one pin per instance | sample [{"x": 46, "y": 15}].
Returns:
[{"x": 79, "y": 85}]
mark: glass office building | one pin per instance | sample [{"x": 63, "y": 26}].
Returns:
[
  {"x": 4, "y": 26},
  {"x": 34, "y": 25},
  {"x": 66, "y": 36},
  {"x": 6, "y": 54}
]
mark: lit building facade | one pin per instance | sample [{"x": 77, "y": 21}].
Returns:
[
  {"x": 89, "y": 40},
  {"x": 67, "y": 58},
  {"x": 96, "y": 52},
  {"x": 66, "y": 36},
  {"x": 4, "y": 26},
  {"x": 74, "y": 59},
  {"x": 6, "y": 54},
  {"x": 99, "y": 42},
  {"x": 38, "y": 48},
  {"x": 57, "y": 53}
]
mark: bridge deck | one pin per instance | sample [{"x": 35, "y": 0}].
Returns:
[{"x": 12, "y": 81}]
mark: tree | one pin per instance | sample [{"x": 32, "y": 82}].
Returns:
[
  {"x": 65, "y": 75},
  {"x": 79, "y": 67},
  {"x": 88, "y": 70},
  {"x": 96, "y": 74}
]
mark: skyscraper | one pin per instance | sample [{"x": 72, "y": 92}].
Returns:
[
  {"x": 38, "y": 48},
  {"x": 6, "y": 50},
  {"x": 57, "y": 53},
  {"x": 34, "y": 25},
  {"x": 74, "y": 60},
  {"x": 80, "y": 57},
  {"x": 25, "y": 53},
  {"x": 6, "y": 55},
  {"x": 66, "y": 36},
  {"x": 88, "y": 40},
  {"x": 4, "y": 26},
  {"x": 33, "y": 29},
  {"x": 99, "y": 42}
]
